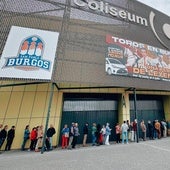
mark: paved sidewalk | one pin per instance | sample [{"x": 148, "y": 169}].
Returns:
[{"x": 148, "y": 155}]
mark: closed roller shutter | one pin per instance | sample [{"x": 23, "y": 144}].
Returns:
[
  {"x": 82, "y": 108},
  {"x": 148, "y": 108}
]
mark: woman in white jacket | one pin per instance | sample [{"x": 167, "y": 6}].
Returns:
[{"x": 108, "y": 133}]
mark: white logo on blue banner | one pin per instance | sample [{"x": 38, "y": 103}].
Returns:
[{"x": 29, "y": 54}]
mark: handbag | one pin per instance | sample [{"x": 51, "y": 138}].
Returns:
[{"x": 66, "y": 135}]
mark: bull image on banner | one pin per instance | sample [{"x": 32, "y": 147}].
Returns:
[{"x": 130, "y": 58}]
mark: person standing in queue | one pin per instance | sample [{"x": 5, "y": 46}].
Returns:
[
  {"x": 65, "y": 136},
  {"x": 85, "y": 133},
  {"x": 50, "y": 132},
  {"x": 40, "y": 134},
  {"x": 3, "y": 135},
  {"x": 10, "y": 138},
  {"x": 26, "y": 137},
  {"x": 33, "y": 138},
  {"x": 118, "y": 132},
  {"x": 71, "y": 135},
  {"x": 108, "y": 133},
  {"x": 93, "y": 131},
  {"x": 76, "y": 134},
  {"x": 124, "y": 129}
]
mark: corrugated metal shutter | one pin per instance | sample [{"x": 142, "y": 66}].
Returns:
[
  {"x": 148, "y": 108},
  {"x": 99, "y": 110}
]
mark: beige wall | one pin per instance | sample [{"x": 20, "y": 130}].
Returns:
[{"x": 28, "y": 104}]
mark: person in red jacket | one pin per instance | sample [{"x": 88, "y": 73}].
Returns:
[{"x": 33, "y": 138}]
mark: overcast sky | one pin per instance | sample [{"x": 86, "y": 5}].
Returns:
[{"x": 160, "y": 5}]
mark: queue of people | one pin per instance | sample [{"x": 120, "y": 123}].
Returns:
[
  {"x": 124, "y": 132},
  {"x": 100, "y": 134},
  {"x": 155, "y": 130},
  {"x": 69, "y": 136},
  {"x": 35, "y": 136}
]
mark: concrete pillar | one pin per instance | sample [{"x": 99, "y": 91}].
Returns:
[
  {"x": 167, "y": 107},
  {"x": 124, "y": 108},
  {"x": 59, "y": 113}
]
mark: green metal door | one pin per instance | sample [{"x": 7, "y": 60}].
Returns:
[
  {"x": 148, "y": 108},
  {"x": 90, "y": 108}
]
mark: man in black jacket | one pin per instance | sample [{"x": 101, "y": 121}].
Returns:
[
  {"x": 50, "y": 132},
  {"x": 85, "y": 133},
  {"x": 3, "y": 135},
  {"x": 10, "y": 138}
]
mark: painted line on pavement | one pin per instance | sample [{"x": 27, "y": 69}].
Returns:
[{"x": 155, "y": 147}]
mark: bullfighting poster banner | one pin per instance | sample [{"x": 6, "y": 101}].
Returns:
[
  {"x": 130, "y": 58},
  {"x": 29, "y": 54}
]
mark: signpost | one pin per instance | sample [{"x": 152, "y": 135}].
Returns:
[{"x": 135, "y": 108}]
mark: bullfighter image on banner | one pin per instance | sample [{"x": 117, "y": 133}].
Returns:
[
  {"x": 130, "y": 58},
  {"x": 29, "y": 54}
]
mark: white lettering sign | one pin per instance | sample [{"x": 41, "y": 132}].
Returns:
[{"x": 111, "y": 10}]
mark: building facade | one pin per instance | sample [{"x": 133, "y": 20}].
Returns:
[{"x": 98, "y": 65}]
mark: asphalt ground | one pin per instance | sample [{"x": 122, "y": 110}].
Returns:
[{"x": 145, "y": 155}]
